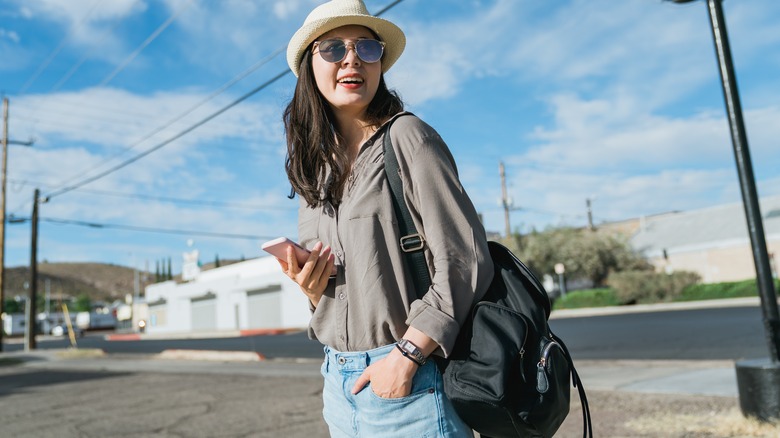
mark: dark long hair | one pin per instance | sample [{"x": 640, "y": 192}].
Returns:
[{"x": 312, "y": 139}]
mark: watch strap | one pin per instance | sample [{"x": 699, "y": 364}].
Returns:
[{"x": 411, "y": 351}]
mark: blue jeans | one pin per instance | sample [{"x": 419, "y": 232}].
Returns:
[{"x": 425, "y": 412}]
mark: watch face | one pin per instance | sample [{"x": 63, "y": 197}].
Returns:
[{"x": 412, "y": 350}]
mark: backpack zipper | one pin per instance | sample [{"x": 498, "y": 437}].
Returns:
[{"x": 546, "y": 353}]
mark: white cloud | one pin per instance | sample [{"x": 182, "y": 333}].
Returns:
[
  {"x": 194, "y": 167},
  {"x": 10, "y": 35},
  {"x": 75, "y": 13}
]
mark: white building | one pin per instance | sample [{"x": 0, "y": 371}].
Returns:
[
  {"x": 714, "y": 241},
  {"x": 253, "y": 294}
]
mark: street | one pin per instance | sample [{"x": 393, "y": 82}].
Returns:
[
  {"x": 77, "y": 400},
  {"x": 130, "y": 392},
  {"x": 703, "y": 334}
]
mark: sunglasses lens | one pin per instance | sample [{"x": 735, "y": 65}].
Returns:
[
  {"x": 335, "y": 50},
  {"x": 332, "y": 50},
  {"x": 369, "y": 50}
]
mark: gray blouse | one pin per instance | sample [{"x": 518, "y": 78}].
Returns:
[{"x": 371, "y": 301}]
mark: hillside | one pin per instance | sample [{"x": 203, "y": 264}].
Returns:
[{"x": 100, "y": 281}]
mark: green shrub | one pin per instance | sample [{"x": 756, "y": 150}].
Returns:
[
  {"x": 745, "y": 288},
  {"x": 585, "y": 254},
  {"x": 636, "y": 287},
  {"x": 83, "y": 303},
  {"x": 601, "y": 297}
]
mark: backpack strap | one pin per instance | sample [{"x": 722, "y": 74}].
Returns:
[
  {"x": 412, "y": 243},
  {"x": 587, "y": 423}
]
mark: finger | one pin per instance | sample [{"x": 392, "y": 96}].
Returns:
[
  {"x": 292, "y": 264},
  {"x": 361, "y": 382},
  {"x": 311, "y": 262},
  {"x": 330, "y": 269},
  {"x": 322, "y": 262},
  {"x": 283, "y": 264},
  {"x": 327, "y": 271}
]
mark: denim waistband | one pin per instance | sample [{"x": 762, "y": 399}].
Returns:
[{"x": 355, "y": 360}]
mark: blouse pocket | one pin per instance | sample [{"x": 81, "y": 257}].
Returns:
[{"x": 370, "y": 197}]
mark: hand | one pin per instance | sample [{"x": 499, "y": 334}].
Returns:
[
  {"x": 390, "y": 377},
  {"x": 313, "y": 276}
]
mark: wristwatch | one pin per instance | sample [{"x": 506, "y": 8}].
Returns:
[{"x": 411, "y": 351}]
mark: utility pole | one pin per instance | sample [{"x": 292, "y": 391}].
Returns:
[
  {"x": 5, "y": 142},
  {"x": 504, "y": 199},
  {"x": 590, "y": 214},
  {"x": 2, "y": 222},
  {"x": 29, "y": 328}
]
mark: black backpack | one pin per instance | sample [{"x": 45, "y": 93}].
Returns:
[{"x": 508, "y": 374}]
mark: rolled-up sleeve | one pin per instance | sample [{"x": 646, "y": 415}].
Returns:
[{"x": 456, "y": 245}]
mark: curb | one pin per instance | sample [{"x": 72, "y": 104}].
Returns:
[
  {"x": 123, "y": 337},
  {"x": 660, "y": 307},
  {"x": 212, "y": 355},
  {"x": 199, "y": 335}
]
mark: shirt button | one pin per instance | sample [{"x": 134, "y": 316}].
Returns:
[
  {"x": 338, "y": 252},
  {"x": 342, "y": 296}
]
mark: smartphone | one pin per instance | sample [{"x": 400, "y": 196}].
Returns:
[{"x": 278, "y": 248}]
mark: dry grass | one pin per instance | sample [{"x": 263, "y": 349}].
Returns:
[
  {"x": 715, "y": 424},
  {"x": 80, "y": 353},
  {"x": 618, "y": 414}
]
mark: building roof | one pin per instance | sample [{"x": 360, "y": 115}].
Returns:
[{"x": 719, "y": 226}]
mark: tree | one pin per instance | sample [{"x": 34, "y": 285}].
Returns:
[
  {"x": 12, "y": 306},
  {"x": 83, "y": 303},
  {"x": 584, "y": 253}
]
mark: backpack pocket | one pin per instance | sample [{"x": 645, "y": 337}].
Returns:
[
  {"x": 550, "y": 405},
  {"x": 483, "y": 387}
]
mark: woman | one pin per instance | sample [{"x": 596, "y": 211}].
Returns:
[{"x": 378, "y": 333}]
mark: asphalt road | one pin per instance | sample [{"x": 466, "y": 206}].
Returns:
[{"x": 701, "y": 334}]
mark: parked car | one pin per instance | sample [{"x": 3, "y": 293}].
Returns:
[{"x": 62, "y": 330}]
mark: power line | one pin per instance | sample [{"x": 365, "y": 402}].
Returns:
[
  {"x": 189, "y": 111},
  {"x": 83, "y": 59},
  {"x": 57, "y": 50},
  {"x": 143, "y": 45},
  {"x": 208, "y": 203},
  {"x": 59, "y": 221},
  {"x": 170, "y": 140},
  {"x": 201, "y": 202},
  {"x": 188, "y": 130}
]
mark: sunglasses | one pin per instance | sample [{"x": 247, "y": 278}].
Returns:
[{"x": 335, "y": 50}]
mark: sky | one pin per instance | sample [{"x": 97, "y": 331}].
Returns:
[{"x": 151, "y": 137}]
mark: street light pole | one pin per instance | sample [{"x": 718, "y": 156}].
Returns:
[
  {"x": 766, "y": 286},
  {"x": 758, "y": 381}
]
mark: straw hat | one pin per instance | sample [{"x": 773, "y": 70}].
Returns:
[{"x": 337, "y": 13}]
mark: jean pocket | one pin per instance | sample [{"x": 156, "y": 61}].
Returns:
[{"x": 423, "y": 382}]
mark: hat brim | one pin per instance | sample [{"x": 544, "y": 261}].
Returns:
[{"x": 392, "y": 35}]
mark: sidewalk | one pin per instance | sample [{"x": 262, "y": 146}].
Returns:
[
  {"x": 709, "y": 378},
  {"x": 197, "y": 393},
  {"x": 88, "y": 394}
]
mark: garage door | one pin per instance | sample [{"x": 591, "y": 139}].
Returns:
[
  {"x": 203, "y": 311},
  {"x": 264, "y": 307}
]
